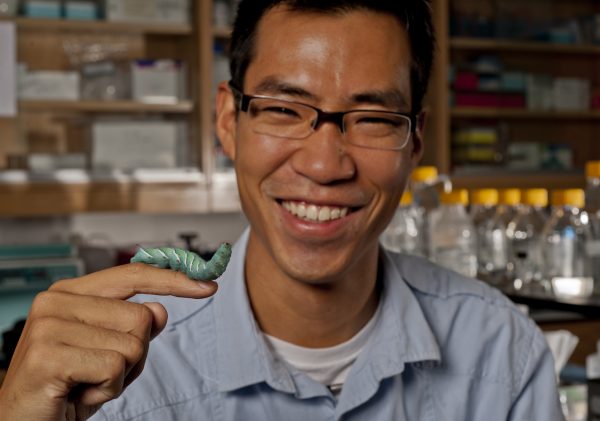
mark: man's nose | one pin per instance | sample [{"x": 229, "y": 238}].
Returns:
[{"x": 323, "y": 156}]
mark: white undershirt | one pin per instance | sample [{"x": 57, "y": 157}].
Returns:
[{"x": 329, "y": 366}]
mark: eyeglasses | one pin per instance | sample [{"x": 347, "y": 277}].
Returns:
[{"x": 293, "y": 120}]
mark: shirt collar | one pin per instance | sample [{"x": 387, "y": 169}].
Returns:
[
  {"x": 243, "y": 358},
  {"x": 402, "y": 336}
]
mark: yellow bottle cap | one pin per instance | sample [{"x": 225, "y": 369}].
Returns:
[
  {"x": 557, "y": 197},
  {"x": 487, "y": 197},
  {"x": 574, "y": 197},
  {"x": 406, "y": 199},
  {"x": 592, "y": 169},
  {"x": 535, "y": 197},
  {"x": 509, "y": 197},
  {"x": 424, "y": 173},
  {"x": 455, "y": 197}
]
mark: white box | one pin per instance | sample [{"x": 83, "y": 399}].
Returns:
[
  {"x": 158, "y": 81},
  {"x": 130, "y": 145},
  {"x": 161, "y": 11},
  {"x": 571, "y": 94},
  {"x": 49, "y": 85},
  {"x": 8, "y": 69}
]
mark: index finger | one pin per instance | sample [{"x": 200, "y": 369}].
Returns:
[{"x": 125, "y": 281}]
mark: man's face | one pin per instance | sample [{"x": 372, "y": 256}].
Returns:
[{"x": 358, "y": 60}]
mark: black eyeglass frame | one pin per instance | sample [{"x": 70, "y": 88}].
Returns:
[{"x": 322, "y": 116}]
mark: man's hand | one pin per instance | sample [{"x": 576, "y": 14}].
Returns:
[{"x": 83, "y": 343}]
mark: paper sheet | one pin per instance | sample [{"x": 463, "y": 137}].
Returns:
[{"x": 8, "y": 70}]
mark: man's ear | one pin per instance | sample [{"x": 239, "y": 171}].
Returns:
[{"x": 226, "y": 119}]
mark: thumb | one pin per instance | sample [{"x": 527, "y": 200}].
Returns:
[{"x": 160, "y": 317}]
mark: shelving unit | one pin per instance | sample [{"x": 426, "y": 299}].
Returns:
[
  {"x": 182, "y": 107},
  {"x": 39, "y": 45},
  {"x": 36, "y": 25},
  {"x": 580, "y": 130}
]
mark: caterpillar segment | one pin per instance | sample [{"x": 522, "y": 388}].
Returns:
[{"x": 186, "y": 261}]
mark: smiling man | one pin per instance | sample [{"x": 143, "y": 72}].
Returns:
[{"x": 313, "y": 319}]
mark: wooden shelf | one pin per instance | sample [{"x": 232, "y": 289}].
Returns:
[
  {"x": 521, "y": 113},
  {"x": 53, "y": 198},
  {"x": 101, "y": 26},
  {"x": 483, "y": 44},
  {"x": 507, "y": 179},
  {"x": 105, "y": 106}
]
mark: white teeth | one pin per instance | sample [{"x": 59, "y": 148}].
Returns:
[
  {"x": 315, "y": 213},
  {"x": 312, "y": 212}
]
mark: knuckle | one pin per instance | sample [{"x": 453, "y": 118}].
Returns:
[
  {"x": 136, "y": 349},
  {"x": 115, "y": 364},
  {"x": 42, "y": 328},
  {"x": 38, "y": 359},
  {"x": 134, "y": 269},
  {"x": 41, "y": 302},
  {"x": 60, "y": 285},
  {"x": 143, "y": 315}
]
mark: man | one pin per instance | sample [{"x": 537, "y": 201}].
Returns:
[{"x": 313, "y": 320}]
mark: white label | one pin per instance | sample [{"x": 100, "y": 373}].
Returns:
[
  {"x": 592, "y": 248},
  {"x": 8, "y": 70}
]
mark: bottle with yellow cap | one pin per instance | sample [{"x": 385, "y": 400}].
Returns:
[
  {"x": 524, "y": 236},
  {"x": 592, "y": 207},
  {"x": 497, "y": 241},
  {"x": 483, "y": 206},
  {"x": 403, "y": 233},
  {"x": 567, "y": 268},
  {"x": 426, "y": 185},
  {"x": 592, "y": 188},
  {"x": 452, "y": 234}
]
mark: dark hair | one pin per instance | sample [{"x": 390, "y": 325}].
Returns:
[{"x": 414, "y": 15}]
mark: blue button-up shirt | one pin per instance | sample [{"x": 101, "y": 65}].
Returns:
[{"x": 445, "y": 348}]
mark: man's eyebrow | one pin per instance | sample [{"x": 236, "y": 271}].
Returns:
[
  {"x": 271, "y": 86},
  {"x": 392, "y": 98}
]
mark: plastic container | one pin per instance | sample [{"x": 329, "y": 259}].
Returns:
[
  {"x": 497, "y": 267},
  {"x": 483, "y": 208},
  {"x": 524, "y": 239},
  {"x": 567, "y": 267},
  {"x": 426, "y": 185},
  {"x": 403, "y": 233},
  {"x": 453, "y": 242}
]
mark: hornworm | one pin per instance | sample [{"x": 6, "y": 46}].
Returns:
[{"x": 186, "y": 261}]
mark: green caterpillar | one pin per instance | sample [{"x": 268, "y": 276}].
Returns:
[{"x": 186, "y": 261}]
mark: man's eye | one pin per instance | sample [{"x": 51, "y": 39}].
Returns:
[
  {"x": 381, "y": 121},
  {"x": 282, "y": 111}
]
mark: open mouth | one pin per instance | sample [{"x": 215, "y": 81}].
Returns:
[{"x": 315, "y": 213}]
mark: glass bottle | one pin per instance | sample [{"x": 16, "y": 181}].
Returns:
[
  {"x": 567, "y": 267},
  {"x": 524, "y": 239},
  {"x": 483, "y": 207},
  {"x": 453, "y": 243},
  {"x": 403, "y": 233},
  {"x": 426, "y": 185},
  {"x": 592, "y": 207},
  {"x": 495, "y": 230}
]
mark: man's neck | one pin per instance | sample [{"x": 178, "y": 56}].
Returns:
[{"x": 314, "y": 315}]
